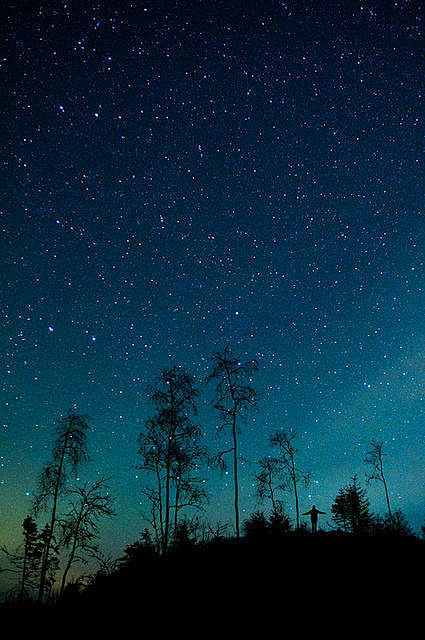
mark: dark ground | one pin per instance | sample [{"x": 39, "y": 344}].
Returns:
[{"x": 298, "y": 582}]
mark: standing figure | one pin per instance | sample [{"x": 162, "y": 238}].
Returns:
[{"x": 313, "y": 513}]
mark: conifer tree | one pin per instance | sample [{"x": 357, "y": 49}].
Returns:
[
  {"x": 339, "y": 510},
  {"x": 25, "y": 561},
  {"x": 31, "y": 555},
  {"x": 351, "y": 509}
]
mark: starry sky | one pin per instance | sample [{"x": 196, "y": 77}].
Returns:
[{"x": 181, "y": 175}]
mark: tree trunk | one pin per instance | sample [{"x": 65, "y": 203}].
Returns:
[
  {"x": 294, "y": 480},
  {"x": 67, "y": 568},
  {"x": 235, "y": 466},
  {"x": 73, "y": 550},
  {"x": 24, "y": 574},
  {"x": 388, "y": 499},
  {"x": 167, "y": 510},
  {"x": 45, "y": 562}
]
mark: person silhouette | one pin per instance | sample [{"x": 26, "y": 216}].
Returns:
[{"x": 313, "y": 513}]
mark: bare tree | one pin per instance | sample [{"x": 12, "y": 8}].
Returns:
[
  {"x": 170, "y": 450},
  {"x": 234, "y": 396},
  {"x": 269, "y": 480},
  {"x": 286, "y": 458},
  {"x": 374, "y": 458},
  {"x": 205, "y": 531},
  {"x": 107, "y": 564},
  {"x": 80, "y": 525},
  {"x": 69, "y": 451},
  {"x": 189, "y": 488}
]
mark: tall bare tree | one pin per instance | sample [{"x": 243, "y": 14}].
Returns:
[
  {"x": 80, "y": 525},
  {"x": 284, "y": 441},
  {"x": 374, "y": 458},
  {"x": 234, "y": 395},
  {"x": 170, "y": 451},
  {"x": 69, "y": 451}
]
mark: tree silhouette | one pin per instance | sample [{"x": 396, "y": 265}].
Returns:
[
  {"x": 80, "y": 525},
  {"x": 268, "y": 480},
  {"x": 136, "y": 553},
  {"x": 69, "y": 451},
  {"x": 399, "y": 524},
  {"x": 170, "y": 451},
  {"x": 256, "y": 526},
  {"x": 340, "y": 510},
  {"x": 184, "y": 534},
  {"x": 396, "y": 525},
  {"x": 209, "y": 532},
  {"x": 49, "y": 550},
  {"x": 25, "y": 560},
  {"x": 189, "y": 488},
  {"x": 107, "y": 564},
  {"x": 374, "y": 458},
  {"x": 31, "y": 555},
  {"x": 234, "y": 396},
  {"x": 351, "y": 509},
  {"x": 286, "y": 460},
  {"x": 280, "y": 524}
]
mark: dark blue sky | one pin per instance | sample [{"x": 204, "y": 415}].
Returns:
[{"x": 185, "y": 175}]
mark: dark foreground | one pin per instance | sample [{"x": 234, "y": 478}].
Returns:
[{"x": 289, "y": 582}]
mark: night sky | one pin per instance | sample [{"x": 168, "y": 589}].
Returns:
[{"x": 178, "y": 176}]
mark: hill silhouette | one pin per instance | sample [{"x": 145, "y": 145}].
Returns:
[{"x": 259, "y": 576}]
